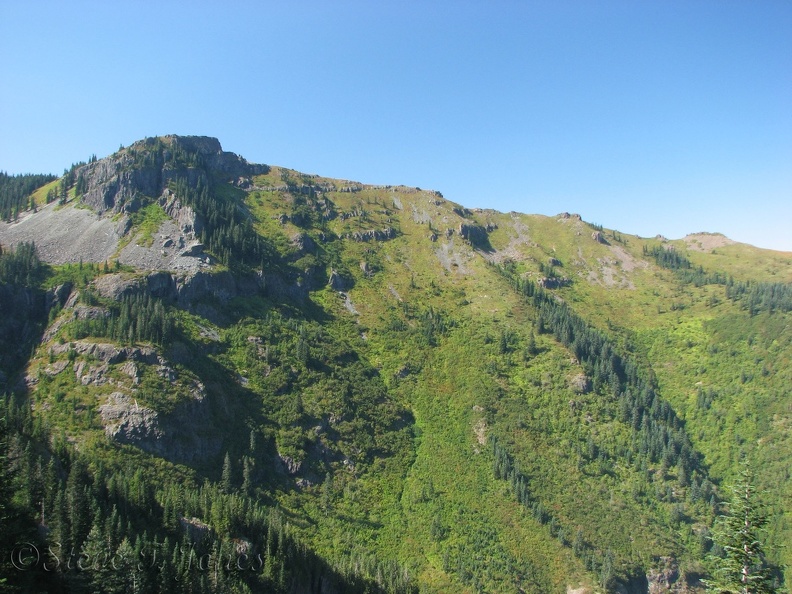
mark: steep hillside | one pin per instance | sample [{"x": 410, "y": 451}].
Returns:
[{"x": 293, "y": 383}]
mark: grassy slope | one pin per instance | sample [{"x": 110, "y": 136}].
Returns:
[
  {"x": 613, "y": 286},
  {"x": 695, "y": 344},
  {"x": 435, "y": 505}
]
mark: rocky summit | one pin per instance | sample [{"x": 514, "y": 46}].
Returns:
[{"x": 260, "y": 380}]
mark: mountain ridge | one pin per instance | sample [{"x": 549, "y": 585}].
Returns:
[
  {"x": 407, "y": 378},
  {"x": 101, "y": 196}
]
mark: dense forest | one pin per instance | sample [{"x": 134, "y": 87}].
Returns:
[
  {"x": 77, "y": 523},
  {"x": 16, "y": 190}
]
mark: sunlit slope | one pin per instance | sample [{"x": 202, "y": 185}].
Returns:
[{"x": 435, "y": 397}]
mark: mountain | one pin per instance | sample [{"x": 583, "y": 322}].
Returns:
[{"x": 254, "y": 379}]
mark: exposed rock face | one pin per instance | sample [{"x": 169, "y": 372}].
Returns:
[
  {"x": 553, "y": 283},
  {"x": 599, "y": 238},
  {"x": 338, "y": 282},
  {"x": 186, "y": 289},
  {"x": 291, "y": 466},
  {"x": 372, "y": 235},
  {"x": 303, "y": 243},
  {"x": 189, "y": 223},
  {"x": 667, "y": 579},
  {"x": 117, "y": 182},
  {"x": 187, "y": 435},
  {"x": 119, "y": 185},
  {"x": 475, "y": 234},
  {"x": 116, "y": 286},
  {"x": 580, "y": 383},
  {"x": 110, "y": 353}
]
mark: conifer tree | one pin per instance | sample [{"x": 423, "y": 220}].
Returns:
[
  {"x": 225, "y": 480},
  {"x": 743, "y": 568}
]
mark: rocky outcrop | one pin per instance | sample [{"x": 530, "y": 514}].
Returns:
[
  {"x": 289, "y": 464},
  {"x": 189, "y": 223},
  {"x": 338, "y": 282},
  {"x": 580, "y": 383},
  {"x": 372, "y": 235},
  {"x": 476, "y": 235},
  {"x": 667, "y": 578},
  {"x": 184, "y": 289},
  {"x": 58, "y": 296},
  {"x": 109, "y": 353},
  {"x": 116, "y": 286},
  {"x": 303, "y": 243},
  {"x": 186, "y": 435},
  {"x": 553, "y": 282},
  {"x": 118, "y": 182}
]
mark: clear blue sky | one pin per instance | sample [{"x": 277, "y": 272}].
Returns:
[{"x": 651, "y": 117}]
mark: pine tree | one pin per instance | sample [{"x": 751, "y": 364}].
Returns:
[
  {"x": 225, "y": 480},
  {"x": 743, "y": 568}
]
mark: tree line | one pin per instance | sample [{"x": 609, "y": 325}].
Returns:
[
  {"x": 135, "y": 318},
  {"x": 15, "y": 191},
  {"x": 659, "y": 430},
  {"x": 21, "y": 266},
  {"x": 754, "y": 296},
  {"x": 73, "y": 523},
  {"x": 228, "y": 231}
]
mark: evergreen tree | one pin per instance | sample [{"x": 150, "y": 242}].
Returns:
[
  {"x": 743, "y": 568},
  {"x": 225, "y": 480}
]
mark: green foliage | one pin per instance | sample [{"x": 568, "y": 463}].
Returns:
[
  {"x": 136, "y": 318},
  {"x": 754, "y": 296},
  {"x": 15, "y": 191},
  {"x": 443, "y": 424},
  {"x": 21, "y": 266},
  {"x": 668, "y": 258},
  {"x": 110, "y": 529},
  {"x": 148, "y": 220},
  {"x": 661, "y": 434},
  {"x": 228, "y": 230},
  {"x": 741, "y": 567}
]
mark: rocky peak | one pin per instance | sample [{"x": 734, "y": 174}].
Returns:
[
  {"x": 205, "y": 145},
  {"x": 119, "y": 182}
]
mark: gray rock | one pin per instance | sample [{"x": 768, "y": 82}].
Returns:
[
  {"x": 553, "y": 283},
  {"x": 187, "y": 435},
  {"x": 116, "y": 286},
  {"x": 338, "y": 282},
  {"x": 372, "y": 235},
  {"x": 303, "y": 243},
  {"x": 116, "y": 182},
  {"x": 58, "y": 296},
  {"x": 85, "y": 312},
  {"x": 475, "y": 234},
  {"x": 291, "y": 465},
  {"x": 193, "y": 250},
  {"x": 580, "y": 383}
]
